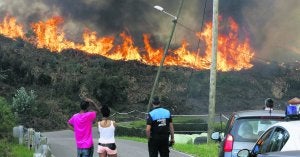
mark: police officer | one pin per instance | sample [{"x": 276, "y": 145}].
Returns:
[{"x": 159, "y": 127}]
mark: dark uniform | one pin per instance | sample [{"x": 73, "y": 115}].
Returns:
[{"x": 159, "y": 119}]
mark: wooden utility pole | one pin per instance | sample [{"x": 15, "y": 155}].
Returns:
[{"x": 213, "y": 71}]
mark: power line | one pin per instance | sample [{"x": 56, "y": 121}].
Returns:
[{"x": 198, "y": 46}]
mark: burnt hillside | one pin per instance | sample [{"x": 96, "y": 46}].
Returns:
[{"x": 60, "y": 79}]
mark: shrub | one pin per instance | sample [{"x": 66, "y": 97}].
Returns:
[
  {"x": 126, "y": 131},
  {"x": 5, "y": 148},
  {"x": 22, "y": 104},
  {"x": 7, "y": 119}
]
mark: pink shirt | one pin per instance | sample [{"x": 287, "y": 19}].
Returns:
[{"x": 82, "y": 123}]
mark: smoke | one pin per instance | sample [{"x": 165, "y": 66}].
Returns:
[
  {"x": 272, "y": 25},
  {"x": 109, "y": 17}
]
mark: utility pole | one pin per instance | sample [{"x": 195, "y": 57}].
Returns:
[
  {"x": 213, "y": 70},
  {"x": 165, "y": 52}
]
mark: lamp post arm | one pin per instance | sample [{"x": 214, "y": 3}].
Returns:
[{"x": 175, "y": 17}]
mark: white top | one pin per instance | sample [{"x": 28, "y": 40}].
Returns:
[{"x": 107, "y": 134}]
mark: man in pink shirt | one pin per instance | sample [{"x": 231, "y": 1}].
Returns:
[{"x": 82, "y": 124}]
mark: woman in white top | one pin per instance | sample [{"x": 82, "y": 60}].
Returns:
[{"x": 106, "y": 128}]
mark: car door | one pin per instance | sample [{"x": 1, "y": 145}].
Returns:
[
  {"x": 278, "y": 139},
  {"x": 228, "y": 128},
  {"x": 272, "y": 140}
]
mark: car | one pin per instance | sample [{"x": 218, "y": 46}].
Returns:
[
  {"x": 293, "y": 153},
  {"x": 280, "y": 137},
  {"x": 243, "y": 129}
]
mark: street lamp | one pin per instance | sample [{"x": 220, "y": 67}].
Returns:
[{"x": 175, "y": 18}]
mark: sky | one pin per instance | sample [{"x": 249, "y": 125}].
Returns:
[{"x": 272, "y": 25}]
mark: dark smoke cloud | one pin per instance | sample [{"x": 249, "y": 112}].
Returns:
[
  {"x": 109, "y": 17},
  {"x": 272, "y": 25}
]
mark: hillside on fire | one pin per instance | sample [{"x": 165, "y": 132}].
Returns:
[
  {"x": 59, "y": 80},
  {"x": 57, "y": 52}
]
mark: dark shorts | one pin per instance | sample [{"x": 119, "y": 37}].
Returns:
[{"x": 85, "y": 152}]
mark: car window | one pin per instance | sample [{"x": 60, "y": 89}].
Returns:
[
  {"x": 278, "y": 140},
  {"x": 249, "y": 129},
  {"x": 261, "y": 144},
  {"x": 271, "y": 141}
]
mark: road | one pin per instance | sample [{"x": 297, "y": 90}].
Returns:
[{"x": 62, "y": 144}]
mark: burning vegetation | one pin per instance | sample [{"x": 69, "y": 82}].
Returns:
[{"x": 233, "y": 54}]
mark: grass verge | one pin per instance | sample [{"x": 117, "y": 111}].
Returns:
[
  {"x": 21, "y": 151},
  {"x": 202, "y": 150}
]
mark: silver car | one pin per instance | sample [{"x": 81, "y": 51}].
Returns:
[{"x": 244, "y": 128}]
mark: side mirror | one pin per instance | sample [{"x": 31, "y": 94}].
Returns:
[
  {"x": 243, "y": 153},
  {"x": 216, "y": 136}
]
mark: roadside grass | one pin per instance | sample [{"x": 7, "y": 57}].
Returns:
[
  {"x": 10, "y": 148},
  {"x": 202, "y": 150},
  {"x": 21, "y": 151}
]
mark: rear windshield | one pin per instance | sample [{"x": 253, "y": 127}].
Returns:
[{"x": 249, "y": 129}]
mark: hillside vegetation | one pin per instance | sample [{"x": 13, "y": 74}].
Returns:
[{"x": 59, "y": 80}]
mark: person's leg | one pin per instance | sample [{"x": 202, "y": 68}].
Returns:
[
  {"x": 163, "y": 147},
  {"x": 88, "y": 152},
  {"x": 103, "y": 154},
  {"x": 91, "y": 151},
  {"x": 78, "y": 152},
  {"x": 113, "y": 155},
  {"x": 153, "y": 147}
]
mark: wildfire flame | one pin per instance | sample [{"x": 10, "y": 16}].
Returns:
[
  {"x": 10, "y": 28},
  {"x": 233, "y": 54}
]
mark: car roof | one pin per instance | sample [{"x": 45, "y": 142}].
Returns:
[
  {"x": 293, "y": 153},
  {"x": 289, "y": 125},
  {"x": 259, "y": 113}
]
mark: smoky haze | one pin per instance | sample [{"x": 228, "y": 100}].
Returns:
[{"x": 272, "y": 25}]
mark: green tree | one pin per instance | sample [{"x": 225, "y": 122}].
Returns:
[
  {"x": 22, "y": 104},
  {"x": 7, "y": 119}
]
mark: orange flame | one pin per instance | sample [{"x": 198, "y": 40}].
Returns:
[
  {"x": 94, "y": 45},
  {"x": 49, "y": 36},
  {"x": 153, "y": 56},
  {"x": 233, "y": 54},
  {"x": 10, "y": 28},
  {"x": 126, "y": 51}
]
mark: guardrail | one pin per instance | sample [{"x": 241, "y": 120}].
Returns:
[{"x": 33, "y": 140}]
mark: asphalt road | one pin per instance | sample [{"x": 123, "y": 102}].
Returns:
[{"x": 62, "y": 144}]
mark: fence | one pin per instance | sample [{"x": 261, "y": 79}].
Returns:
[
  {"x": 197, "y": 124},
  {"x": 33, "y": 140},
  {"x": 134, "y": 122}
]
